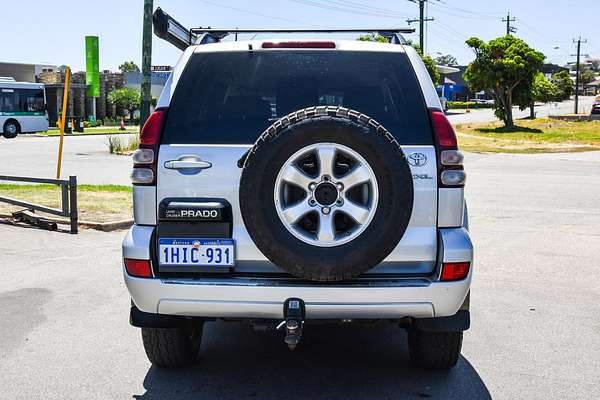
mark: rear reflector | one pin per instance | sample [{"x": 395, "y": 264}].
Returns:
[
  {"x": 454, "y": 271},
  {"x": 299, "y": 45},
  {"x": 142, "y": 175},
  {"x": 150, "y": 134},
  {"x": 138, "y": 268},
  {"x": 443, "y": 131},
  {"x": 453, "y": 177}
]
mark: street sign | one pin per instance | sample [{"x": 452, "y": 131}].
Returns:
[{"x": 92, "y": 66}]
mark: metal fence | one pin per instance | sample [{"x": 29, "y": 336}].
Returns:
[{"x": 68, "y": 197}]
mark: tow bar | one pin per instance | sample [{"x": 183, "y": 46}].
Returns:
[{"x": 293, "y": 314}]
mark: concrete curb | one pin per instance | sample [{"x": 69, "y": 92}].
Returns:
[{"x": 100, "y": 226}]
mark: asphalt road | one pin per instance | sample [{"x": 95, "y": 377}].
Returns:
[{"x": 535, "y": 329}]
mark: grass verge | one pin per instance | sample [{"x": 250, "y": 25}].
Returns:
[
  {"x": 97, "y": 203},
  {"x": 530, "y": 136}
]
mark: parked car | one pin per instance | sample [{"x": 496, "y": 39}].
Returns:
[
  {"x": 289, "y": 182},
  {"x": 596, "y": 108}
]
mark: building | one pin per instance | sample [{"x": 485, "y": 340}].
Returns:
[
  {"x": 79, "y": 104},
  {"x": 159, "y": 76},
  {"x": 550, "y": 69},
  {"x": 24, "y": 72},
  {"x": 452, "y": 84}
]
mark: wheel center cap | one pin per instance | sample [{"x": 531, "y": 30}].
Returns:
[{"x": 326, "y": 194}]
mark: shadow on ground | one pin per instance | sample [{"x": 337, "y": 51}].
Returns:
[{"x": 346, "y": 362}]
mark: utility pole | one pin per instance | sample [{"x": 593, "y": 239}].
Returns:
[
  {"x": 421, "y": 20},
  {"x": 508, "y": 20},
  {"x": 146, "y": 62},
  {"x": 577, "y": 73}
]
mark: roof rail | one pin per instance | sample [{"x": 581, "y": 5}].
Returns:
[
  {"x": 299, "y": 30},
  {"x": 167, "y": 28}
]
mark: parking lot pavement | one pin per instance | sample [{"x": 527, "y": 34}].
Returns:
[
  {"x": 84, "y": 156},
  {"x": 535, "y": 329}
]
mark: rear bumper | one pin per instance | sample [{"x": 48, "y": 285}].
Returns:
[{"x": 250, "y": 298}]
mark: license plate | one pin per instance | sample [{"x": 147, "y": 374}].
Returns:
[{"x": 196, "y": 252}]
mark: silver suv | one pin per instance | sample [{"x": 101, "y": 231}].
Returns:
[{"x": 287, "y": 182}]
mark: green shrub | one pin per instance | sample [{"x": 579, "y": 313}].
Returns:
[
  {"x": 467, "y": 104},
  {"x": 118, "y": 144}
]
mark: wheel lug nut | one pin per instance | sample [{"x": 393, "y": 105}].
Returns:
[
  {"x": 325, "y": 210},
  {"x": 312, "y": 186},
  {"x": 312, "y": 202},
  {"x": 339, "y": 202}
]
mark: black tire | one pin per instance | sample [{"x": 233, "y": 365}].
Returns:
[
  {"x": 333, "y": 125},
  {"x": 175, "y": 347},
  {"x": 434, "y": 350},
  {"x": 11, "y": 129}
]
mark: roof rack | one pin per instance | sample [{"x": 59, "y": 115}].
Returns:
[{"x": 167, "y": 28}]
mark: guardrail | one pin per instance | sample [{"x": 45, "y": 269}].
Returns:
[{"x": 68, "y": 197}]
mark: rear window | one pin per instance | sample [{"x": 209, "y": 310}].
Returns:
[{"x": 231, "y": 98}]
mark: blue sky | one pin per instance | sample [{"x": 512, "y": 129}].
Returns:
[{"x": 53, "y": 31}]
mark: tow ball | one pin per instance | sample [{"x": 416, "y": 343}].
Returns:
[{"x": 293, "y": 314}]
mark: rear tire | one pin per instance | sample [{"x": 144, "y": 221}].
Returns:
[
  {"x": 11, "y": 129},
  {"x": 175, "y": 347},
  {"x": 434, "y": 350}
]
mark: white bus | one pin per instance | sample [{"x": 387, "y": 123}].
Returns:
[{"x": 22, "y": 107}]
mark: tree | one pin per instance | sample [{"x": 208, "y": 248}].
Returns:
[
  {"x": 564, "y": 85},
  {"x": 430, "y": 65},
  {"x": 129, "y": 66},
  {"x": 428, "y": 61},
  {"x": 586, "y": 77},
  {"x": 447, "y": 59},
  {"x": 544, "y": 90},
  {"x": 505, "y": 67},
  {"x": 371, "y": 37},
  {"x": 126, "y": 98},
  {"x": 595, "y": 63}
]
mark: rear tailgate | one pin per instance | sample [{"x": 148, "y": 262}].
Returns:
[{"x": 224, "y": 100}]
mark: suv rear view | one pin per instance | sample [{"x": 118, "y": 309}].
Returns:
[{"x": 289, "y": 182}]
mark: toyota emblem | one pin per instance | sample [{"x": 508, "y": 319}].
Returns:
[{"x": 417, "y": 159}]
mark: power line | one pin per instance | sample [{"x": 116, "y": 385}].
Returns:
[
  {"x": 488, "y": 14},
  {"x": 508, "y": 20},
  {"x": 453, "y": 11},
  {"x": 350, "y": 10},
  {"x": 215, "y": 4}
]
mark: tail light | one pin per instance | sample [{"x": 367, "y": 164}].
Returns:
[
  {"x": 145, "y": 158},
  {"x": 138, "y": 268},
  {"x": 299, "y": 45},
  {"x": 450, "y": 159},
  {"x": 454, "y": 271}
]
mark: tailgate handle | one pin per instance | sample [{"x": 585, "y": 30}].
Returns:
[{"x": 187, "y": 162}]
